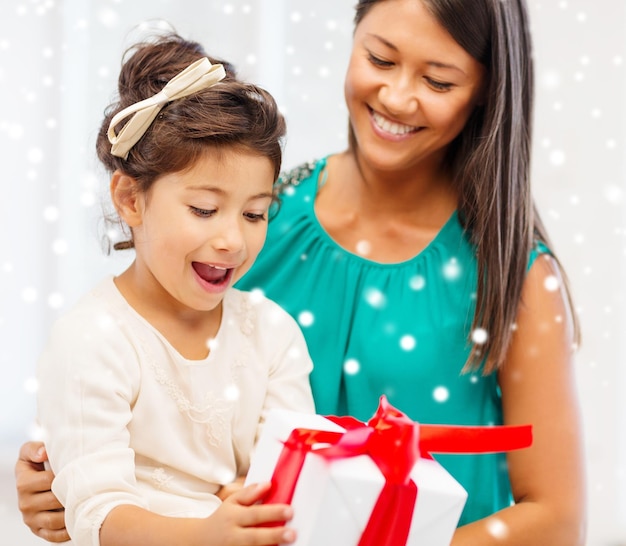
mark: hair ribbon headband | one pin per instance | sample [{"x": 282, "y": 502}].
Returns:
[{"x": 199, "y": 75}]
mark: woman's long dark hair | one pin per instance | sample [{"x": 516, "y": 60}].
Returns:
[{"x": 490, "y": 163}]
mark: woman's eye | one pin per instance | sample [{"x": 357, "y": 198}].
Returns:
[
  {"x": 378, "y": 61},
  {"x": 203, "y": 213},
  {"x": 439, "y": 86}
]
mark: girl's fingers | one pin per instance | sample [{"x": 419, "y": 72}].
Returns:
[
  {"x": 251, "y": 494},
  {"x": 259, "y": 514},
  {"x": 267, "y": 536},
  {"x": 266, "y": 514}
]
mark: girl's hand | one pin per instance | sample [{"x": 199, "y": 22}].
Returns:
[
  {"x": 240, "y": 521},
  {"x": 41, "y": 510},
  {"x": 227, "y": 490}
]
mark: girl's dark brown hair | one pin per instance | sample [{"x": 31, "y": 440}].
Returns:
[
  {"x": 231, "y": 114},
  {"x": 490, "y": 163}
]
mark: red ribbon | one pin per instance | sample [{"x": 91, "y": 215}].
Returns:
[{"x": 394, "y": 443}]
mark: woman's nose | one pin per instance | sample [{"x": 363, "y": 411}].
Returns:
[{"x": 399, "y": 96}]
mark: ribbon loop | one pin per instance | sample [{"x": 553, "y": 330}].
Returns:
[{"x": 199, "y": 75}]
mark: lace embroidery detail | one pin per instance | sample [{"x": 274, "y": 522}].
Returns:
[
  {"x": 160, "y": 478},
  {"x": 215, "y": 412},
  {"x": 245, "y": 315}
]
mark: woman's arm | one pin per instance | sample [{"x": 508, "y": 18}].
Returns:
[
  {"x": 538, "y": 387},
  {"x": 41, "y": 510}
]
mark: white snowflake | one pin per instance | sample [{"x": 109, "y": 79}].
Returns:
[
  {"x": 306, "y": 318},
  {"x": 441, "y": 394},
  {"x": 351, "y": 366},
  {"x": 408, "y": 342}
]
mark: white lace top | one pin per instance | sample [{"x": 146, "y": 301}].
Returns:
[{"x": 128, "y": 420}]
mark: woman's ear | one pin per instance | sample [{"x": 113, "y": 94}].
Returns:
[{"x": 127, "y": 198}]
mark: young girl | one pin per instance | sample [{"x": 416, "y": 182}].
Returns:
[{"x": 153, "y": 388}]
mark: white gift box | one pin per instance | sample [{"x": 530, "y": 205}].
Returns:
[{"x": 333, "y": 499}]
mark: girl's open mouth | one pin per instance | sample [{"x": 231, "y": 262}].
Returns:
[{"x": 214, "y": 275}]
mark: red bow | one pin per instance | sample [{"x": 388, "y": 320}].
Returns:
[{"x": 394, "y": 443}]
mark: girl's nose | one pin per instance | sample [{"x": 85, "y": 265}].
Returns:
[{"x": 229, "y": 236}]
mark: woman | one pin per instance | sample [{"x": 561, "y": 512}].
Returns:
[{"x": 417, "y": 266}]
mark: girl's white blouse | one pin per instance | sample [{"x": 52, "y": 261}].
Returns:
[{"x": 128, "y": 420}]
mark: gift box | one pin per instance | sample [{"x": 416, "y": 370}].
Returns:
[{"x": 374, "y": 484}]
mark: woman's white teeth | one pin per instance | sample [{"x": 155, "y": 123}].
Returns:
[{"x": 391, "y": 127}]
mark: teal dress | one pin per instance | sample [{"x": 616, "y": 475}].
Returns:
[{"x": 395, "y": 329}]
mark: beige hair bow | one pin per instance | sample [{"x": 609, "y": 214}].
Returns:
[{"x": 199, "y": 75}]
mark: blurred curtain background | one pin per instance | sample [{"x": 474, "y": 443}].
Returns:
[{"x": 59, "y": 61}]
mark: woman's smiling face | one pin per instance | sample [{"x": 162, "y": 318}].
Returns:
[
  {"x": 410, "y": 87},
  {"x": 200, "y": 230}
]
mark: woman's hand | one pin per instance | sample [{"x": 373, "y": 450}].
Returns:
[{"x": 41, "y": 510}]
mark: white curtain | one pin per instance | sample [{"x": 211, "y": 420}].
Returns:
[{"x": 59, "y": 61}]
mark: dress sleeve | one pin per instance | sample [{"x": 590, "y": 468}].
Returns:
[
  {"x": 288, "y": 384},
  {"x": 88, "y": 376},
  {"x": 539, "y": 248}
]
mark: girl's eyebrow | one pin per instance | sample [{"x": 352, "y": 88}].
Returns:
[
  {"x": 436, "y": 64},
  {"x": 221, "y": 191},
  {"x": 263, "y": 195}
]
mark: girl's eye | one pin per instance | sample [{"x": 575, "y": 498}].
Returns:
[
  {"x": 202, "y": 213},
  {"x": 439, "y": 86},
  {"x": 378, "y": 61},
  {"x": 255, "y": 217}
]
